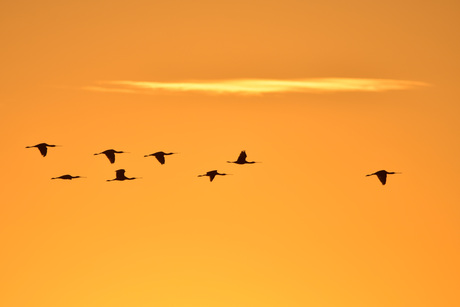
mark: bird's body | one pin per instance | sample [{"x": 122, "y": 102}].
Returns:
[
  {"x": 43, "y": 148},
  {"x": 120, "y": 176},
  {"x": 160, "y": 155},
  {"x": 110, "y": 154},
  {"x": 212, "y": 174},
  {"x": 242, "y": 159},
  {"x": 382, "y": 175},
  {"x": 67, "y": 177}
]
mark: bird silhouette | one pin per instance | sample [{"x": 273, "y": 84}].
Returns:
[
  {"x": 43, "y": 147},
  {"x": 212, "y": 174},
  {"x": 120, "y": 176},
  {"x": 110, "y": 154},
  {"x": 382, "y": 175},
  {"x": 67, "y": 177},
  {"x": 160, "y": 155},
  {"x": 242, "y": 159}
]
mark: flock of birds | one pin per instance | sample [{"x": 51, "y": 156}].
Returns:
[{"x": 160, "y": 156}]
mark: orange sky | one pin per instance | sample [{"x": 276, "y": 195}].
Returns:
[{"x": 322, "y": 94}]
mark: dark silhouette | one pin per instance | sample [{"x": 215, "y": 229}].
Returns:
[
  {"x": 212, "y": 174},
  {"x": 160, "y": 155},
  {"x": 67, "y": 177},
  {"x": 110, "y": 154},
  {"x": 43, "y": 147},
  {"x": 382, "y": 175},
  {"x": 120, "y": 175},
  {"x": 242, "y": 159}
]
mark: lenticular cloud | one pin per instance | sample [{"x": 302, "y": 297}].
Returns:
[{"x": 260, "y": 86}]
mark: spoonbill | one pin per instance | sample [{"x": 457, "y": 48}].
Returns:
[
  {"x": 160, "y": 155},
  {"x": 110, "y": 154},
  {"x": 43, "y": 147},
  {"x": 120, "y": 176},
  {"x": 213, "y": 174},
  {"x": 242, "y": 159},
  {"x": 382, "y": 175}
]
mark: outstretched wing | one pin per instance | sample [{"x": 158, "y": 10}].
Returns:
[
  {"x": 43, "y": 149},
  {"x": 110, "y": 155},
  {"x": 160, "y": 157},
  {"x": 120, "y": 173},
  {"x": 211, "y": 174},
  {"x": 242, "y": 157},
  {"x": 382, "y": 177}
]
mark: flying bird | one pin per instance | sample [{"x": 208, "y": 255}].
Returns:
[
  {"x": 160, "y": 155},
  {"x": 120, "y": 176},
  {"x": 110, "y": 154},
  {"x": 242, "y": 159},
  {"x": 382, "y": 175},
  {"x": 43, "y": 147},
  {"x": 212, "y": 174},
  {"x": 67, "y": 177}
]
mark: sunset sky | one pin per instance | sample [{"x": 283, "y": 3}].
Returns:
[{"x": 321, "y": 93}]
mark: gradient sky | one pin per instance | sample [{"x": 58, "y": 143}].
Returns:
[{"x": 321, "y": 93}]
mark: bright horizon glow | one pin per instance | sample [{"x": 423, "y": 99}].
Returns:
[{"x": 261, "y": 86}]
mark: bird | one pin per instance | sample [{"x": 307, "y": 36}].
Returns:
[
  {"x": 43, "y": 147},
  {"x": 382, "y": 175},
  {"x": 160, "y": 155},
  {"x": 67, "y": 177},
  {"x": 242, "y": 159},
  {"x": 120, "y": 176},
  {"x": 110, "y": 154},
  {"x": 212, "y": 174}
]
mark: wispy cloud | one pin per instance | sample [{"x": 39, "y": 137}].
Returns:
[{"x": 260, "y": 86}]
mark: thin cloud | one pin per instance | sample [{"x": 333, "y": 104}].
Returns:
[
  {"x": 107, "y": 89},
  {"x": 261, "y": 86}
]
